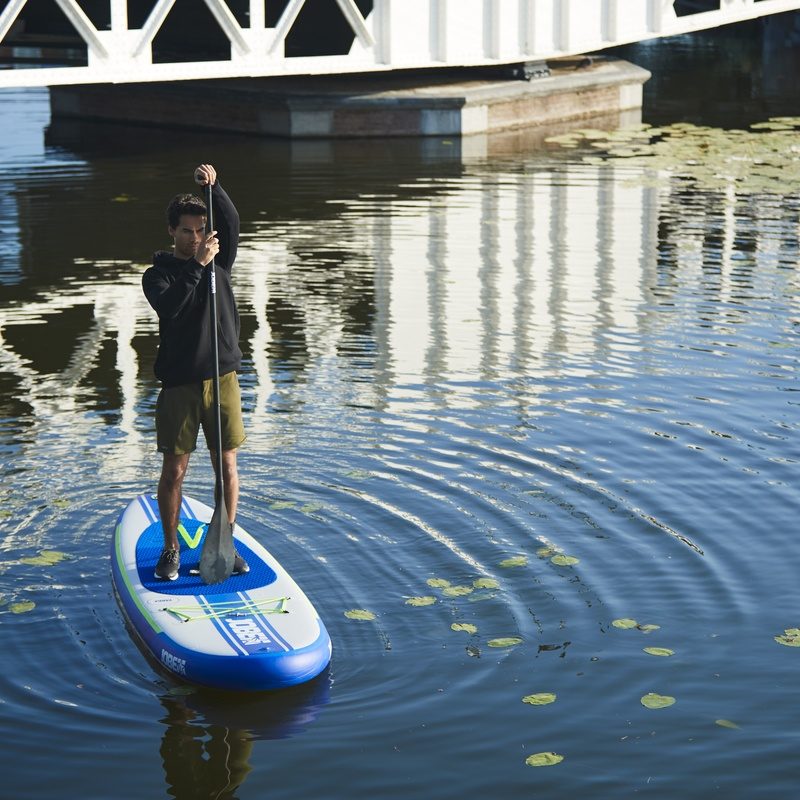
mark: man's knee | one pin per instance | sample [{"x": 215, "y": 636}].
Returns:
[{"x": 173, "y": 470}]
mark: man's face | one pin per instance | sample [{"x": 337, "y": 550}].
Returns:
[{"x": 188, "y": 235}]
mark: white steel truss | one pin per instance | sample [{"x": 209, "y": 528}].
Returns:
[{"x": 397, "y": 34}]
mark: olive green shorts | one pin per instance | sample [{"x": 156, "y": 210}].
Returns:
[{"x": 182, "y": 410}]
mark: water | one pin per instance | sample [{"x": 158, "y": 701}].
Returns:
[{"x": 454, "y": 363}]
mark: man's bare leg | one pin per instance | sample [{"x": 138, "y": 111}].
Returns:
[
  {"x": 173, "y": 471},
  {"x": 230, "y": 478}
]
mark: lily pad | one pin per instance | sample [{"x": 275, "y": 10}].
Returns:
[
  {"x": 359, "y": 614},
  {"x": 358, "y": 474},
  {"x": 457, "y": 591},
  {"x": 659, "y": 651},
  {"x": 788, "y": 641},
  {"x": 540, "y": 699},
  {"x": 546, "y": 552},
  {"x": 61, "y": 502},
  {"x": 22, "y": 607},
  {"x": 649, "y": 628},
  {"x": 182, "y": 691},
  {"x": 564, "y": 561},
  {"x": 544, "y": 759},
  {"x": 652, "y": 700},
  {"x": 486, "y": 583},
  {"x": 421, "y": 601},
  {"x": 508, "y": 641},
  {"x": 282, "y": 505},
  {"x": 463, "y": 626},
  {"x": 46, "y": 558},
  {"x": 438, "y": 583},
  {"x": 515, "y": 561},
  {"x": 426, "y": 600},
  {"x": 625, "y": 623}
]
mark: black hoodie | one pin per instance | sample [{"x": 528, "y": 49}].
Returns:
[{"x": 179, "y": 292}]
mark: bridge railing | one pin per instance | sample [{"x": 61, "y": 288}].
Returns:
[{"x": 395, "y": 34}]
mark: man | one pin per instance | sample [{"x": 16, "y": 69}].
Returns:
[{"x": 177, "y": 287}]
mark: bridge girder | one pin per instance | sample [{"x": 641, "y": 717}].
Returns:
[{"x": 395, "y": 34}]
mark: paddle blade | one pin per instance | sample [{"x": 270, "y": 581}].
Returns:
[{"x": 216, "y": 560}]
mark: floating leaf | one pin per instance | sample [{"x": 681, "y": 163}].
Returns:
[
  {"x": 22, "y": 607},
  {"x": 649, "y": 628},
  {"x": 486, "y": 583},
  {"x": 182, "y": 690},
  {"x": 546, "y": 552},
  {"x": 509, "y": 641},
  {"x": 358, "y": 474},
  {"x": 360, "y": 614},
  {"x": 420, "y": 601},
  {"x": 726, "y": 723},
  {"x": 788, "y": 640},
  {"x": 564, "y": 561},
  {"x": 541, "y": 699},
  {"x": 438, "y": 583},
  {"x": 624, "y": 623},
  {"x": 457, "y": 591},
  {"x": 659, "y": 651},
  {"x": 61, "y": 502},
  {"x": 463, "y": 626},
  {"x": 281, "y": 505},
  {"x": 652, "y": 700},
  {"x": 515, "y": 561},
  {"x": 45, "y": 558},
  {"x": 54, "y": 556},
  {"x": 544, "y": 759},
  {"x": 310, "y": 508},
  {"x": 35, "y": 561}
]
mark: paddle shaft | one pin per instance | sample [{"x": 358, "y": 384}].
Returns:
[{"x": 219, "y": 490}]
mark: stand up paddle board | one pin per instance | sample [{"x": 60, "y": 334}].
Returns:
[{"x": 251, "y": 632}]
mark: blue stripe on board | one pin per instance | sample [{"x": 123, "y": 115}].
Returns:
[
  {"x": 145, "y": 502},
  {"x": 263, "y": 623},
  {"x": 218, "y": 624},
  {"x": 187, "y": 511}
]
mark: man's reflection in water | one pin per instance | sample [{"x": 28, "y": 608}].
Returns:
[
  {"x": 202, "y": 760},
  {"x": 209, "y": 736}
]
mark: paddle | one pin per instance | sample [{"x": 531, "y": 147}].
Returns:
[{"x": 216, "y": 560}]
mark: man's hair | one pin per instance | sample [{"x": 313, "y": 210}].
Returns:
[{"x": 184, "y": 204}]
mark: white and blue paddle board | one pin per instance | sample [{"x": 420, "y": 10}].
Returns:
[{"x": 251, "y": 632}]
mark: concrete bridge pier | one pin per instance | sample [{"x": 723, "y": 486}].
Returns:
[{"x": 420, "y": 103}]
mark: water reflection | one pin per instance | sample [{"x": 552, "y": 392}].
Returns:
[
  {"x": 490, "y": 274},
  {"x": 208, "y": 737}
]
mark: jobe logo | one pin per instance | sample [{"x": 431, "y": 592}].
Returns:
[
  {"x": 173, "y": 662},
  {"x": 248, "y": 632}
]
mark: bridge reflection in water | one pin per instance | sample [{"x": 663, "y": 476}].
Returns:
[{"x": 465, "y": 271}]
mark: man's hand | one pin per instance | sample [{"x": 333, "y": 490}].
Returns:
[
  {"x": 205, "y": 175},
  {"x": 207, "y": 249}
]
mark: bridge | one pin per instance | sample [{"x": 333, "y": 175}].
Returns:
[{"x": 140, "y": 41}]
